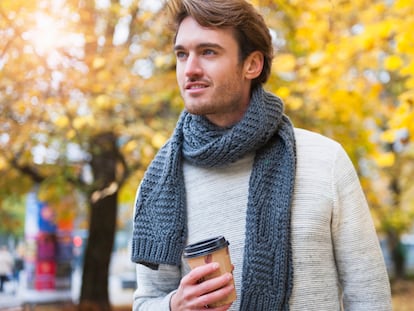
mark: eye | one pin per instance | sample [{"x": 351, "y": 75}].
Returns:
[
  {"x": 209, "y": 52},
  {"x": 180, "y": 54}
]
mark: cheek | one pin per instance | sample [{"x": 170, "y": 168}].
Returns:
[
  {"x": 177, "y": 72},
  {"x": 226, "y": 70}
]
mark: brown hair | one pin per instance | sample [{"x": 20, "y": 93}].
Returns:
[{"x": 251, "y": 31}]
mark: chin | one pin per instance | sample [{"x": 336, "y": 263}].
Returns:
[
  {"x": 196, "y": 112},
  {"x": 196, "y": 109}
]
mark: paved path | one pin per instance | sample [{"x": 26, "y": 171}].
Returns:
[{"x": 15, "y": 294}]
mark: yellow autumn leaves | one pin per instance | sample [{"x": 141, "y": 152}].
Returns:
[
  {"x": 346, "y": 69},
  {"x": 347, "y": 61},
  {"x": 343, "y": 68}
]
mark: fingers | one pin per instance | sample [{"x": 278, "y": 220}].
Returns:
[
  {"x": 199, "y": 273},
  {"x": 208, "y": 288},
  {"x": 214, "y": 291},
  {"x": 195, "y": 292}
]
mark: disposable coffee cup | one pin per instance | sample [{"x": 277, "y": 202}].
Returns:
[{"x": 211, "y": 250}]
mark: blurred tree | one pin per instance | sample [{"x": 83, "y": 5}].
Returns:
[
  {"x": 346, "y": 69},
  {"x": 82, "y": 108},
  {"x": 12, "y": 216},
  {"x": 88, "y": 94}
]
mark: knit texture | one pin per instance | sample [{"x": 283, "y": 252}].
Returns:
[{"x": 160, "y": 214}]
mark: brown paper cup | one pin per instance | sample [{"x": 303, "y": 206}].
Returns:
[{"x": 211, "y": 250}]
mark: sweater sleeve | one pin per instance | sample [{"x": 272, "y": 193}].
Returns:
[
  {"x": 155, "y": 287},
  {"x": 360, "y": 263}
]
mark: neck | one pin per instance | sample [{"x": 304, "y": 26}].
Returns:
[{"x": 229, "y": 119}]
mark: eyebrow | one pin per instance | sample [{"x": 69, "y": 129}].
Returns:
[{"x": 201, "y": 46}]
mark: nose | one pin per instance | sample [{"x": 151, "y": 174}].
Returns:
[{"x": 193, "y": 67}]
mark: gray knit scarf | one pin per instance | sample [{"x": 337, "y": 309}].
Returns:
[{"x": 160, "y": 230}]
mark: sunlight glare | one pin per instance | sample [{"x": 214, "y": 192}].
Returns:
[{"x": 48, "y": 34}]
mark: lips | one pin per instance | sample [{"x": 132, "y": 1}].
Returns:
[{"x": 195, "y": 85}]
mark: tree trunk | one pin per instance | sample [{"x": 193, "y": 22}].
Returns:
[
  {"x": 397, "y": 254},
  {"x": 393, "y": 235},
  {"x": 103, "y": 211}
]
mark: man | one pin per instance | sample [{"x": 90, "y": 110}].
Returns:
[{"x": 288, "y": 200}]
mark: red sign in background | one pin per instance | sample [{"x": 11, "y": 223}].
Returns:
[{"x": 49, "y": 245}]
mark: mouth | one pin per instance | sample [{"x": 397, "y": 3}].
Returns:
[{"x": 195, "y": 86}]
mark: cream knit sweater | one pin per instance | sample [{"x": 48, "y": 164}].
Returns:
[{"x": 338, "y": 264}]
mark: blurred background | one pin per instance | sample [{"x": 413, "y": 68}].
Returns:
[{"x": 88, "y": 95}]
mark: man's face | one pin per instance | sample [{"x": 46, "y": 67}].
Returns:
[{"x": 210, "y": 76}]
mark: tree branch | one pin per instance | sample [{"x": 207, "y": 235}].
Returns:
[{"x": 27, "y": 170}]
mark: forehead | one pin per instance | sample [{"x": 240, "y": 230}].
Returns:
[{"x": 191, "y": 33}]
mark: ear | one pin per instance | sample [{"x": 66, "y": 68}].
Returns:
[{"x": 253, "y": 65}]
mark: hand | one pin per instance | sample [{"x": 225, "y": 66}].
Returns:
[{"x": 194, "y": 295}]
